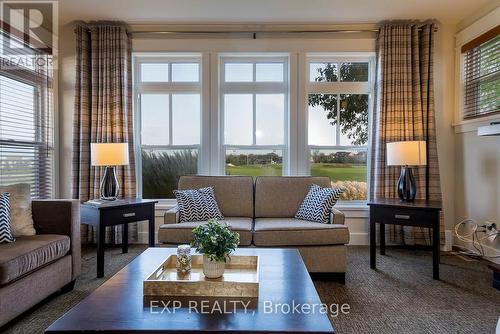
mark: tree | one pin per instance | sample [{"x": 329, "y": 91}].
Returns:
[{"x": 353, "y": 107}]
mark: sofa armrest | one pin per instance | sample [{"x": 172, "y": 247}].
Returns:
[
  {"x": 337, "y": 217},
  {"x": 60, "y": 217},
  {"x": 172, "y": 216}
]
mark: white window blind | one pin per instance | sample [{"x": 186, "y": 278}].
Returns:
[
  {"x": 26, "y": 120},
  {"x": 482, "y": 75}
]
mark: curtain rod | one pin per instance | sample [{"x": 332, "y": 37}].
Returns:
[
  {"x": 165, "y": 32},
  {"x": 254, "y": 32}
]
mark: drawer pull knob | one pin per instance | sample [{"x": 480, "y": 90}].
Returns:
[
  {"x": 402, "y": 217},
  {"x": 131, "y": 214}
]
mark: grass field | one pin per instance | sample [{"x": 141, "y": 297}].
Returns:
[{"x": 336, "y": 172}]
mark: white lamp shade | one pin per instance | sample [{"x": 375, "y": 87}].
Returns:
[
  {"x": 109, "y": 154},
  {"x": 406, "y": 153}
]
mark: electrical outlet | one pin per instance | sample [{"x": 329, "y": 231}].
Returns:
[{"x": 491, "y": 228}]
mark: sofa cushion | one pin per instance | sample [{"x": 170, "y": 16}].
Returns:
[
  {"x": 234, "y": 194},
  {"x": 21, "y": 220},
  {"x": 5, "y": 233},
  {"x": 296, "y": 232},
  {"x": 281, "y": 196},
  {"x": 181, "y": 233},
  {"x": 197, "y": 205},
  {"x": 29, "y": 253},
  {"x": 318, "y": 203}
]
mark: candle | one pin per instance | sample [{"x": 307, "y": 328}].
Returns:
[{"x": 183, "y": 259}]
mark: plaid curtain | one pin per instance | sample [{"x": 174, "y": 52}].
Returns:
[
  {"x": 103, "y": 112},
  {"x": 404, "y": 111}
]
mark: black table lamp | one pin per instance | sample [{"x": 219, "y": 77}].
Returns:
[
  {"x": 406, "y": 154},
  {"x": 109, "y": 155}
]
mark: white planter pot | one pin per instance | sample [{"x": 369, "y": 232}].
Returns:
[{"x": 213, "y": 269}]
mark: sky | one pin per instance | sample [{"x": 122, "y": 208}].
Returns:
[{"x": 183, "y": 110}]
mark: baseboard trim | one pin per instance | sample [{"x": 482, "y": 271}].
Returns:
[{"x": 359, "y": 239}]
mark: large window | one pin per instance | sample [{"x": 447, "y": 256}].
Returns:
[
  {"x": 254, "y": 105},
  {"x": 252, "y": 114},
  {"x": 168, "y": 108},
  {"x": 26, "y": 120},
  {"x": 481, "y": 72},
  {"x": 338, "y": 98}
]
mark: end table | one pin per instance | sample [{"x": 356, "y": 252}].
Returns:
[
  {"x": 419, "y": 213},
  {"x": 119, "y": 212}
]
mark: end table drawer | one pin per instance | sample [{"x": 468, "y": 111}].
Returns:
[
  {"x": 405, "y": 217},
  {"x": 138, "y": 213}
]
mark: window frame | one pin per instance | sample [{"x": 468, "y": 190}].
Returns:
[
  {"x": 338, "y": 88},
  {"x": 254, "y": 88},
  {"x": 463, "y": 74},
  {"x": 45, "y": 136},
  {"x": 170, "y": 88},
  {"x": 296, "y": 152}
]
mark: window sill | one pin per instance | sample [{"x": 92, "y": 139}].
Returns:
[
  {"x": 166, "y": 204},
  {"x": 354, "y": 206}
]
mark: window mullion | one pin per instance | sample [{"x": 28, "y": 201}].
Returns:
[
  {"x": 254, "y": 110},
  {"x": 170, "y": 118},
  {"x": 337, "y": 139}
]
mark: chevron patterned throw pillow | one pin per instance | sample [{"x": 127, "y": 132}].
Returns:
[
  {"x": 318, "y": 203},
  {"x": 197, "y": 205},
  {"x": 5, "y": 233}
]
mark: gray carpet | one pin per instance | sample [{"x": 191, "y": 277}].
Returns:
[{"x": 400, "y": 297}]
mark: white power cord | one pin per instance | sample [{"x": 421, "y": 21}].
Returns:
[{"x": 479, "y": 253}]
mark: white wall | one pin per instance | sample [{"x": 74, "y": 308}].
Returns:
[
  {"x": 67, "y": 65},
  {"x": 477, "y": 159},
  {"x": 444, "y": 75}
]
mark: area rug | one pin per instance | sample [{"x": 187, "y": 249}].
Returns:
[{"x": 399, "y": 297}]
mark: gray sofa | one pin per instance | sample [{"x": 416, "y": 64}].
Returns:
[
  {"x": 34, "y": 267},
  {"x": 262, "y": 212}
]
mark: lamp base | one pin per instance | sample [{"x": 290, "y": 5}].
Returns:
[
  {"x": 406, "y": 185},
  {"x": 109, "y": 184}
]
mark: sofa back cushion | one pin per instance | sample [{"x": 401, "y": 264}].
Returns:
[
  {"x": 281, "y": 196},
  {"x": 234, "y": 194}
]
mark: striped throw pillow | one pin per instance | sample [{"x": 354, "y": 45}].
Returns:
[
  {"x": 197, "y": 205},
  {"x": 5, "y": 232},
  {"x": 318, "y": 204}
]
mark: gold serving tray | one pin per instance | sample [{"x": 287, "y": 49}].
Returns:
[{"x": 240, "y": 279}]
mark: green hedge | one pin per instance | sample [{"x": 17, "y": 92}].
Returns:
[{"x": 161, "y": 171}]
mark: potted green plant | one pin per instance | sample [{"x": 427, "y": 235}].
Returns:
[{"x": 216, "y": 242}]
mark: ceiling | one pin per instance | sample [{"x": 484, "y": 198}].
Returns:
[{"x": 258, "y": 11}]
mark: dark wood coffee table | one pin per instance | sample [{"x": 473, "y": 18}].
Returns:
[{"x": 118, "y": 306}]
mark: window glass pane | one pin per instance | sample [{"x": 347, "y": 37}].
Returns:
[
  {"x": 272, "y": 72},
  {"x": 17, "y": 110},
  {"x": 345, "y": 168},
  {"x": 254, "y": 162},
  {"x": 354, "y": 72},
  {"x": 154, "y": 119},
  {"x": 323, "y": 72},
  {"x": 238, "y": 72},
  {"x": 186, "y": 119},
  {"x": 161, "y": 170},
  {"x": 238, "y": 119},
  {"x": 270, "y": 119},
  {"x": 322, "y": 119},
  {"x": 353, "y": 119},
  {"x": 185, "y": 72},
  {"x": 151, "y": 72}
]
